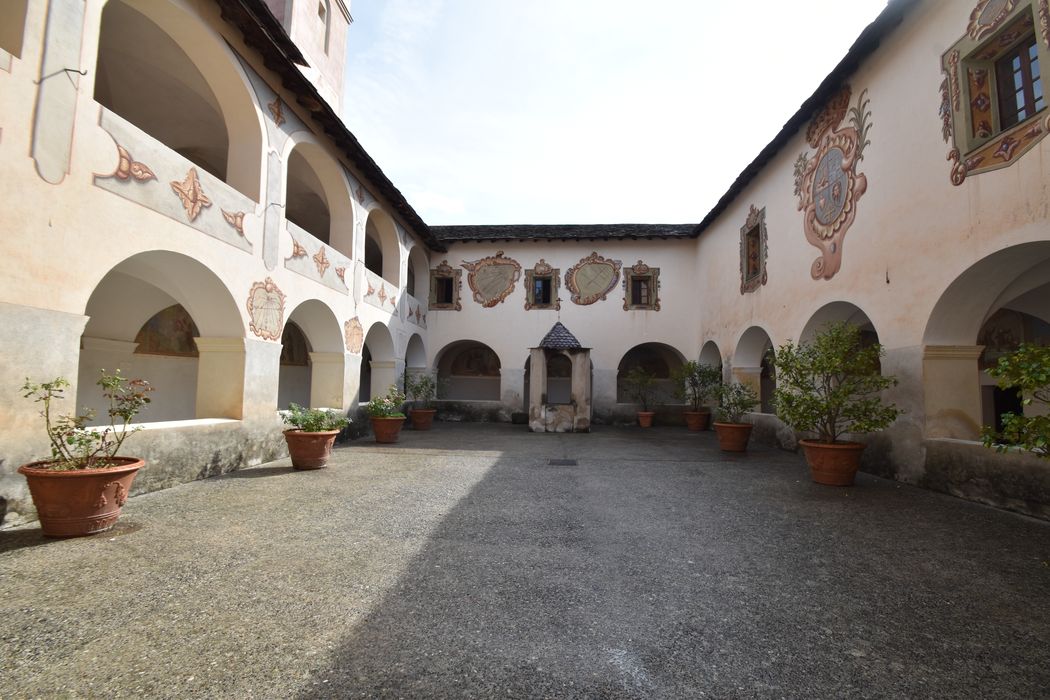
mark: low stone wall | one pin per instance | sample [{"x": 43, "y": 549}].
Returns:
[{"x": 472, "y": 411}]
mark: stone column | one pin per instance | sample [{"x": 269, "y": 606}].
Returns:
[
  {"x": 384, "y": 373},
  {"x": 581, "y": 391},
  {"x": 537, "y": 390},
  {"x": 952, "y": 391},
  {"x": 221, "y": 369},
  {"x": 351, "y": 380},
  {"x": 327, "y": 380},
  {"x": 512, "y": 388},
  {"x": 262, "y": 373}
]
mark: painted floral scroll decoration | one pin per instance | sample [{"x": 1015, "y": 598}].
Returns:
[
  {"x": 298, "y": 250},
  {"x": 987, "y": 15},
  {"x": 321, "y": 261},
  {"x": 1044, "y": 21},
  {"x": 492, "y": 279},
  {"x": 234, "y": 219},
  {"x": 827, "y": 184},
  {"x": 340, "y": 272},
  {"x": 266, "y": 310},
  {"x": 276, "y": 111},
  {"x": 191, "y": 193},
  {"x": 592, "y": 278},
  {"x": 129, "y": 169},
  {"x": 354, "y": 335}
]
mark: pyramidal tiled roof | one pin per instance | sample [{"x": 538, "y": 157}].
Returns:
[{"x": 559, "y": 338}]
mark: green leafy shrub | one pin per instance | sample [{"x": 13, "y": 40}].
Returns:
[
  {"x": 695, "y": 383},
  {"x": 641, "y": 386},
  {"x": 73, "y": 444},
  {"x": 832, "y": 385},
  {"x": 422, "y": 389},
  {"x": 314, "y": 420},
  {"x": 734, "y": 400},
  {"x": 1027, "y": 370},
  {"x": 388, "y": 406}
]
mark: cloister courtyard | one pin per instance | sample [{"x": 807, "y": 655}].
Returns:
[{"x": 480, "y": 560}]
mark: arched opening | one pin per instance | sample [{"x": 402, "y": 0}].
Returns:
[
  {"x": 166, "y": 318},
  {"x": 415, "y": 357},
  {"x": 418, "y": 274},
  {"x": 312, "y": 358},
  {"x": 656, "y": 358},
  {"x": 992, "y": 307},
  {"x": 378, "y": 363},
  {"x": 468, "y": 371},
  {"x": 710, "y": 355},
  {"x": 838, "y": 312},
  {"x": 12, "y": 25},
  {"x": 382, "y": 252},
  {"x": 306, "y": 204},
  {"x": 753, "y": 365},
  {"x": 559, "y": 378},
  {"x": 144, "y": 75}
]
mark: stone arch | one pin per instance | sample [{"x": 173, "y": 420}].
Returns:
[
  {"x": 317, "y": 194},
  {"x": 417, "y": 282},
  {"x": 837, "y": 312},
  {"x": 383, "y": 255},
  {"x": 136, "y": 295},
  {"x": 710, "y": 354},
  {"x": 316, "y": 379},
  {"x": 1007, "y": 293},
  {"x": 416, "y": 353},
  {"x": 753, "y": 365},
  {"x": 659, "y": 358},
  {"x": 172, "y": 76},
  {"x": 468, "y": 370},
  {"x": 378, "y": 363}
]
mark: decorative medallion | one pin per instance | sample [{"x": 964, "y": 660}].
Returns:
[
  {"x": 753, "y": 241},
  {"x": 298, "y": 251},
  {"x": 266, "y": 310},
  {"x": 321, "y": 260},
  {"x": 120, "y": 494},
  {"x": 492, "y": 279},
  {"x": 828, "y": 185},
  {"x": 340, "y": 272},
  {"x": 592, "y": 278},
  {"x": 277, "y": 111},
  {"x": 234, "y": 219},
  {"x": 129, "y": 169},
  {"x": 354, "y": 335},
  {"x": 191, "y": 194},
  {"x": 987, "y": 16}
]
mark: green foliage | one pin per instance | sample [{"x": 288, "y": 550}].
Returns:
[
  {"x": 1027, "y": 370},
  {"x": 388, "y": 406},
  {"x": 832, "y": 385},
  {"x": 73, "y": 444},
  {"x": 695, "y": 382},
  {"x": 422, "y": 389},
  {"x": 314, "y": 420},
  {"x": 641, "y": 386},
  {"x": 734, "y": 400}
]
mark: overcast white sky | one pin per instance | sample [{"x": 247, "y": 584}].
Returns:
[{"x": 582, "y": 111}]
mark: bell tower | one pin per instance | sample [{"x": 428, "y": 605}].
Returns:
[{"x": 319, "y": 28}]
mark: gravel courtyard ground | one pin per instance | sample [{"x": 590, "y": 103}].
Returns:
[{"x": 461, "y": 563}]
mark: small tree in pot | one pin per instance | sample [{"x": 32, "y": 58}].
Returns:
[
  {"x": 1028, "y": 371},
  {"x": 734, "y": 400},
  {"x": 386, "y": 415},
  {"x": 694, "y": 384},
  {"x": 831, "y": 386},
  {"x": 312, "y": 435},
  {"x": 641, "y": 386},
  {"x": 81, "y": 489},
  {"x": 422, "y": 390}
]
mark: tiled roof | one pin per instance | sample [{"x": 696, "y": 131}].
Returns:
[
  {"x": 559, "y": 338},
  {"x": 452, "y": 234}
]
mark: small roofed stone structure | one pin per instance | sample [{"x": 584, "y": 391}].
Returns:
[{"x": 557, "y": 360}]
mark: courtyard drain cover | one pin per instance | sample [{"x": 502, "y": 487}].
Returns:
[{"x": 562, "y": 462}]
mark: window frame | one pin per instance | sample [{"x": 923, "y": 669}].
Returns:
[
  {"x": 444, "y": 271},
  {"x": 542, "y": 270},
  {"x": 754, "y": 224},
  {"x": 650, "y": 276}
]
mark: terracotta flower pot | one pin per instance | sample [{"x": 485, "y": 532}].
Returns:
[
  {"x": 645, "y": 418},
  {"x": 387, "y": 429},
  {"x": 80, "y": 501},
  {"x": 422, "y": 418},
  {"x": 832, "y": 464},
  {"x": 697, "y": 420},
  {"x": 733, "y": 437},
  {"x": 310, "y": 450}
]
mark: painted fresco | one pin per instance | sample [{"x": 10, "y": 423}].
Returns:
[{"x": 169, "y": 332}]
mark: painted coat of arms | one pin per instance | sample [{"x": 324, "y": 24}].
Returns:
[
  {"x": 491, "y": 279},
  {"x": 827, "y": 183}
]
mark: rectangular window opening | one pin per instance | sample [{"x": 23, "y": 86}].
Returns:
[
  {"x": 541, "y": 291},
  {"x": 1018, "y": 83},
  {"x": 640, "y": 291},
  {"x": 443, "y": 290}
]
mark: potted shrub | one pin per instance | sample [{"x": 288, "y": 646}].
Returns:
[
  {"x": 832, "y": 386},
  {"x": 422, "y": 391},
  {"x": 386, "y": 415},
  {"x": 81, "y": 489},
  {"x": 312, "y": 435},
  {"x": 694, "y": 383},
  {"x": 1028, "y": 371},
  {"x": 734, "y": 400},
  {"x": 641, "y": 386}
]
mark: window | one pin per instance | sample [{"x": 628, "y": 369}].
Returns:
[
  {"x": 541, "y": 287},
  {"x": 322, "y": 11},
  {"x": 753, "y": 251},
  {"x": 1018, "y": 83},
  {"x": 445, "y": 283},
  {"x": 641, "y": 288},
  {"x": 410, "y": 284}
]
